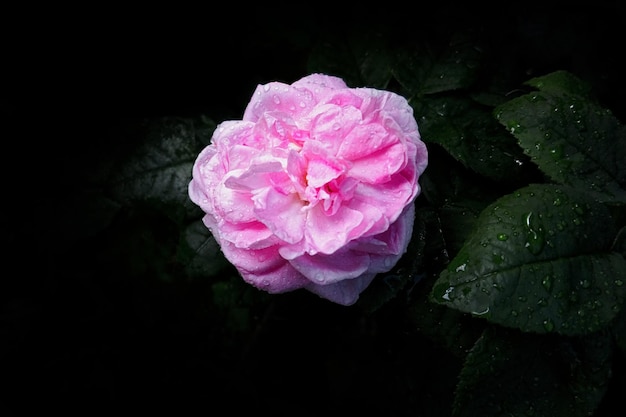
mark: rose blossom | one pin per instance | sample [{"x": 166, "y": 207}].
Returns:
[{"x": 314, "y": 187}]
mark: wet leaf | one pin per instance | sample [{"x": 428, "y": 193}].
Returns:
[
  {"x": 471, "y": 135},
  {"x": 539, "y": 260},
  {"x": 159, "y": 170},
  {"x": 200, "y": 252},
  {"x": 571, "y": 138},
  {"x": 423, "y": 71}
]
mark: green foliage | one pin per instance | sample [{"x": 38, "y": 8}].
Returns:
[
  {"x": 539, "y": 260},
  {"x": 572, "y": 139},
  {"x": 509, "y": 373}
]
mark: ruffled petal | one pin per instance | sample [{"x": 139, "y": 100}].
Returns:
[
  {"x": 278, "y": 97},
  {"x": 281, "y": 213},
  {"x": 344, "y": 292},
  {"x": 386, "y": 249},
  {"x": 379, "y": 166},
  {"x": 264, "y": 268},
  {"x": 253, "y": 235},
  {"x": 390, "y": 197},
  {"x": 321, "y": 80},
  {"x": 328, "y": 269},
  {"x": 326, "y": 234}
]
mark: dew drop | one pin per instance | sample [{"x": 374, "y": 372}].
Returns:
[
  {"x": 535, "y": 235},
  {"x": 481, "y": 312},
  {"x": 547, "y": 282},
  {"x": 447, "y": 294},
  {"x": 578, "y": 209},
  {"x": 548, "y": 325}
]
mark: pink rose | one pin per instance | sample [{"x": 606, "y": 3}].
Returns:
[{"x": 314, "y": 187}]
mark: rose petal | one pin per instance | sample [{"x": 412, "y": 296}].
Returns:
[
  {"x": 264, "y": 269},
  {"x": 344, "y": 292},
  {"x": 390, "y": 197},
  {"x": 278, "y": 97},
  {"x": 321, "y": 80},
  {"x": 379, "y": 166},
  {"x": 233, "y": 205},
  {"x": 253, "y": 235},
  {"x": 328, "y": 269},
  {"x": 281, "y": 213},
  {"x": 326, "y": 234}
]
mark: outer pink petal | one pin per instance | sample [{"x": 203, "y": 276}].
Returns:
[
  {"x": 344, "y": 292},
  {"x": 265, "y": 269},
  {"x": 321, "y": 80},
  {"x": 253, "y": 235},
  {"x": 389, "y": 109},
  {"x": 233, "y": 132},
  {"x": 206, "y": 172},
  {"x": 233, "y": 205},
  {"x": 278, "y": 97},
  {"x": 421, "y": 155},
  {"x": 392, "y": 244},
  {"x": 328, "y": 269}
]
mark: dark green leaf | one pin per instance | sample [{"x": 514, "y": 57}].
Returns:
[
  {"x": 539, "y": 260},
  {"x": 561, "y": 82},
  {"x": 508, "y": 374},
  {"x": 452, "y": 330},
  {"x": 421, "y": 72},
  {"x": 200, "y": 252},
  {"x": 471, "y": 135},
  {"x": 159, "y": 170},
  {"x": 458, "y": 194},
  {"x": 447, "y": 181},
  {"x": 618, "y": 329},
  {"x": 572, "y": 139},
  {"x": 372, "y": 57}
]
